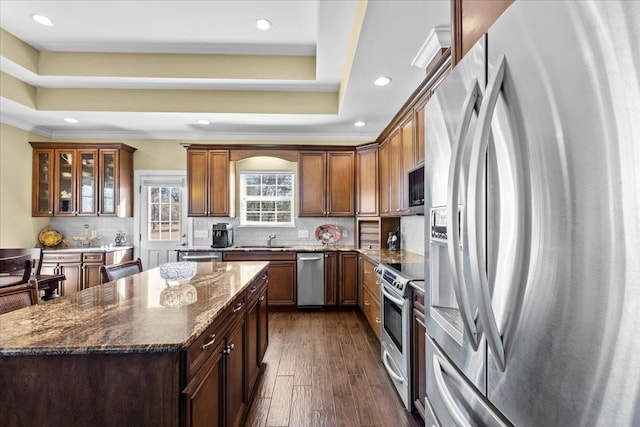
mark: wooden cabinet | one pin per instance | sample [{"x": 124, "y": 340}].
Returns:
[
  {"x": 256, "y": 332},
  {"x": 384, "y": 158},
  {"x": 395, "y": 170},
  {"x": 235, "y": 396},
  {"x": 367, "y": 188},
  {"x": 348, "y": 278},
  {"x": 263, "y": 322},
  {"x": 418, "y": 372},
  {"x": 327, "y": 183},
  {"x": 82, "y": 269},
  {"x": 369, "y": 287},
  {"x": 282, "y": 273},
  {"x": 407, "y": 160},
  {"x": 470, "y": 20},
  {"x": 69, "y": 264},
  {"x": 330, "y": 278},
  {"x": 209, "y": 183},
  {"x": 420, "y": 130},
  {"x": 82, "y": 179}
]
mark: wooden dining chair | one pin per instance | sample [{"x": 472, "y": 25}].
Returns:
[
  {"x": 17, "y": 289},
  {"x": 118, "y": 271},
  {"x": 47, "y": 283}
]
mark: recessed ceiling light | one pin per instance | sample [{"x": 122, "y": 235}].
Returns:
[
  {"x": 382, "y": 81},
  {"x": 263, "y": 24},
  {"x": 70, "y": 120},
  {"x": 359, "y": 124},
  {"x": 204, "y": 122},
  {"x": 42, "y": 20}
]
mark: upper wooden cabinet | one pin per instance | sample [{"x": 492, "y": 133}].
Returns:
[
  {"x": 419, "y": 131},
  {"x": 470, "y": 20},
  {"x": 367, "y": 188},
  {"x": 82, "y": 179},
  {"x": 327, "y": 183},
  {"x": 209, "y": 183},
  {"x": 395, "y": 182}
]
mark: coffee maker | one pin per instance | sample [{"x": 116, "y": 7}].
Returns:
[{"x": 222, "y": 235}]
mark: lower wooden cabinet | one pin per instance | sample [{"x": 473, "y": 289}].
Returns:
[
  {"x": 418, "y": 372},
  {"x": 371, "y": 310},
  {"x": 369, "y": 287},
  {"x": 282, "y": 273},
  {"x": 257, "y": 332},
  {"x": 348, "y": 278},
  {"x": 330, "y": 278}
]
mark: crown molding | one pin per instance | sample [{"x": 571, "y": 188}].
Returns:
[{"x": 438, "y": 39}]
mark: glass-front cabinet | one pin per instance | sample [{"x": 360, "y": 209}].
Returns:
[
  {"x": 82, "y": 180},
  {"x": 42, "y": 183}
]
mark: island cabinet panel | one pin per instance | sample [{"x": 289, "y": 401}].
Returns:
[
  {"x": 256, "y": 332},
  {"x": 282, "y": 273},
  {"x": 203, "y": 395},
  {"x": 263, "y": 325}
]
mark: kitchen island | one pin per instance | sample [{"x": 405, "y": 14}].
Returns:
[{"x": 127, "y": 352}]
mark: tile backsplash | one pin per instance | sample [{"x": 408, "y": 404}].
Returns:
[
  {"x": 105, "y": 227},
  {"x": 412, "y": 234},
  {"x": 302, "y": 234}
]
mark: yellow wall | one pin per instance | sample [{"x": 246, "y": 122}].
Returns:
[{"x": 17, "y": 227}]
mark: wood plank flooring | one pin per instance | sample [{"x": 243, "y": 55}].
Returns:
[{"x": 324, "y": 369}]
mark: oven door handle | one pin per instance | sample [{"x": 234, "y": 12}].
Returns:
[
  {"x": 392, "y": 298},
  {"x": 387, "y": 365}
]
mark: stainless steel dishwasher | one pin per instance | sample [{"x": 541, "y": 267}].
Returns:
[{"x": 310, "y": 279}]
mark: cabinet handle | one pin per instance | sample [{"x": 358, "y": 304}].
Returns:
[
  {"x": 50, "y": 213},
  {"x": 252, "y": 290},
  {"x": 377, "y": 320},
  {"x": 209, "y": 343},
  {"x": 238, "y": 308},
  {"x": 367, "y": 303},
  {"x": 262, "y": 298}
]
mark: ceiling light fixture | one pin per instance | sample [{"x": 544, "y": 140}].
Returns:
[
  {"x": 204, "y": 122},
  {"x": 42, "y": 20},
  {"x": 382, "y": 81},
  {"x": 359, "y": 124},
  {"x": 263, "y": 24},
  {"x": 70, "y": 120}
]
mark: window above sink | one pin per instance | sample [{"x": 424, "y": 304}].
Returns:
[{"x": 267, "y": 198}]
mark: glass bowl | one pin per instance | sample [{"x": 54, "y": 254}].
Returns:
[{"x": 178, "y": 271}]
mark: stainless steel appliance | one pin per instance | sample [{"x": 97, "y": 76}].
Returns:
[
  {"x": 532, "y": 184},
  {"x": 395, "y": 304},
  {"x": 199, "y": 256},
  {"x": 310, "y": 283},
  {"x": 222, "y": 235},
  {"x": 416, "y": 190}
]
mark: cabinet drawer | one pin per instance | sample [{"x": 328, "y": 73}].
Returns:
[
  {"x": 58, "y": 258},
  {"x": 259, "y": 256},
  {"x": 371, "y": 309},
  {"x": 212, "y": 338},
  {"x": 95, "y": 258}
]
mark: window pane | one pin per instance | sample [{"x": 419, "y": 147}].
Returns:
[
  {"x": 252, "y": 190},
  {"x": 253, "y": 206},
  {"x": 283, "y": 206},
  {"x": 269, "y": 180},
  {"x": 252, "y": 179},
  {"x": 268, "y": 198},
  {"x": 284, "y": 217},
  {"x": 154, "y": 194},
  {"x": 253, "y": 216},
  {"x": 268, "y": 206},
  {"x": 268, "y": 217},
  {"x": 269, "y": 190},
  {"x": 284, "y": 191}
]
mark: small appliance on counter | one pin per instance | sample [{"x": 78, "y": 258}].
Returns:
[{"x": 222, "y": 235}]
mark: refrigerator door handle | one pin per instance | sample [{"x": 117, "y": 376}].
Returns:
[
  {"x": 471, "y": 104},
  {"x": 448, "y": 400},
  {"x": 474, "y": 203}
]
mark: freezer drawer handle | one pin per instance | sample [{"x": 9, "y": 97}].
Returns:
[
  {"x": 449, "y": 402},
  {"x": 387, "y": 365},
  {"x": 475, "y": 199},
  {"x": 472, "y": 103}
]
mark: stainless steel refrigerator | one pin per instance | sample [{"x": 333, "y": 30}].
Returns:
[{"x": 532, "y": 190}]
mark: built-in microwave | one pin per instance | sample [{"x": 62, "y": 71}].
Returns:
[{"x": 416, "y": 190}]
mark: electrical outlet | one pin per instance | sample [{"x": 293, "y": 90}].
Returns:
[
  {"x": 303, "y": 233},
  {"x": 201, "y": 234}
]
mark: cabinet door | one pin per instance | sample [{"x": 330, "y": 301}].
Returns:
[
  {"x": 72, "y": 273},
  {"x": 42, "y": 196},
  {"x": 65, "y": 183},
  {"x": 91, "y": 263},
  {"x": 330, "y": 278},
  {"x": 198, "y": 182},
  {"x": 234, "y": 390},
  {"x": 371, "y": 310},
  {"x": 252, "y": 346},
  {"x": 282, "y": 283},
  {"x": 312, "y": 172},
  {"x": 408, "y": 160},
  {"x": 348, "y": 278},
  {"x": 395, "y": 171},
  {"x": 340, "y": 183},
  {"x": 263, "y": 330},
  {"x": 419, "y": 133},
  {"x": 87, "y": 199},
  {"x": 109, "y": 172},
  {"x": 218, "y": 183},
  {"x": 418, "y": 353},
  {"x": 385, "y": 183},
  {"x": 204, "y": 394},
  {"x": 367, "y": 182}
]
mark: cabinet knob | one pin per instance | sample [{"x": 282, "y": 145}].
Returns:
[
  {"x": 367, "y": 303},
  {"x": 377, "y": 320},
  {"x": 262, "y": 298}
]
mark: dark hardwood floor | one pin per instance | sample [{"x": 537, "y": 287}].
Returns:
[{"x": 324, "y": 369}]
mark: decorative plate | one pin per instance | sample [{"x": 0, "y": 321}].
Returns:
[
  {"x": 328, "y": 234},
  {"x": 50, "y": 237}
]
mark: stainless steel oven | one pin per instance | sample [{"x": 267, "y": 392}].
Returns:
[{"x": 395, "y": 304}]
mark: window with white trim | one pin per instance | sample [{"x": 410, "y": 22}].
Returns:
[{"x": 266, "y": 198}]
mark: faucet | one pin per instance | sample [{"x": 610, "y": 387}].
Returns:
[{"x": 270, "y": 238}]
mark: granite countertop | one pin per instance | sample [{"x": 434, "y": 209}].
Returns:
[
  {"x": 125, "y": 316},
  {"x": 80, "y": 249}
]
